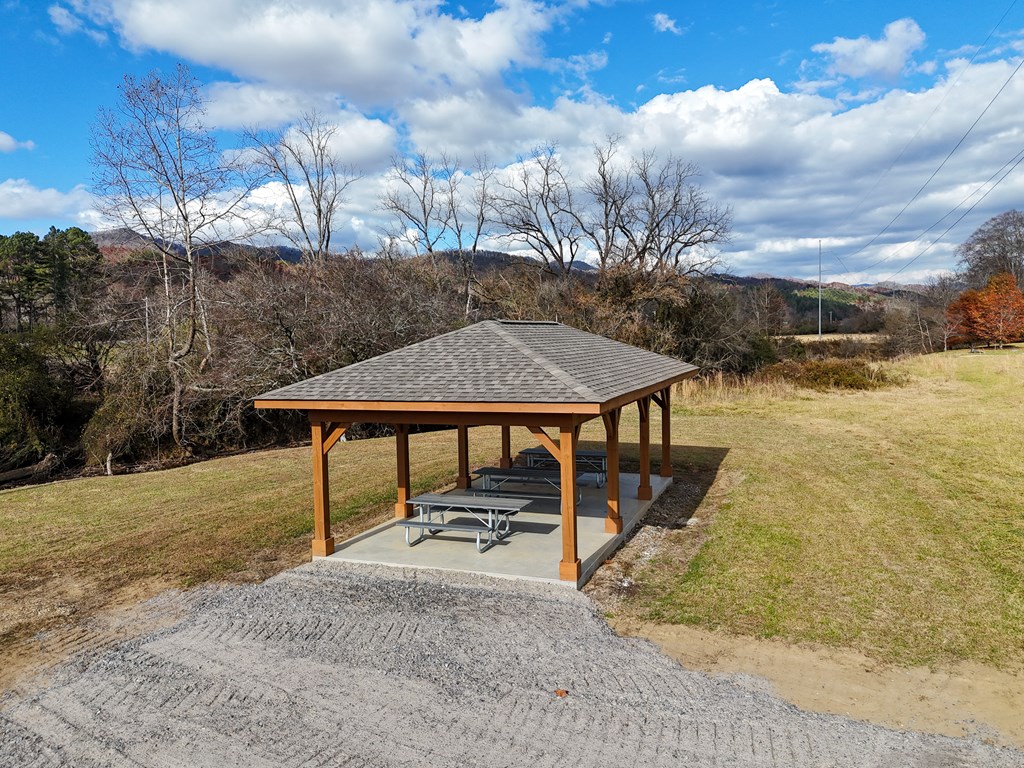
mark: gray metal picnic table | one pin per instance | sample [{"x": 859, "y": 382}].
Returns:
[
  {"x": 488, "y": 515},
  {"x": 591, "y": 461}
]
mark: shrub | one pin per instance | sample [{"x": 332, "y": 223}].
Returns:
[{"x": 832, "y": 373}]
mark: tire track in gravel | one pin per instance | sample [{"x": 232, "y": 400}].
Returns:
[{"x": 369, "y": 666}]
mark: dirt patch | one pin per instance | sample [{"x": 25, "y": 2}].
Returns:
[
  {"x": 47, "y": 616},
  {"x": 967, "y": 699}
]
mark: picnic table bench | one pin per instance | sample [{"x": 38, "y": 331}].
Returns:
[
  {"x": 488, "y": 515},
  {"x": 591, "y": 461},
  {"x": 495, "y": 477}
]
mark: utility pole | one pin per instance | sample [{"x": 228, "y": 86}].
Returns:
[{"x": 819, "y": 290}]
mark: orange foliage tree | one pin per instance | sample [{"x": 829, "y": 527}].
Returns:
[{"x": 994, "y": 315}]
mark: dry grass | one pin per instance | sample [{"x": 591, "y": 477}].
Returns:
[
  {"x": 72, "y": 548},
  {"x": 889, "y": 521}
]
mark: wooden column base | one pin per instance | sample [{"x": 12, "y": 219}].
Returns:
[
  {"x": 666, "y": 470},
  {"x": 644, "y": 493},
  {"x": 402, "y": 510},
  {"x": 323, "y": 547},
  {"x": 463, "y": 483},
  {"x": 570, "y": 571},
  {"x": 613, "y": 525}
]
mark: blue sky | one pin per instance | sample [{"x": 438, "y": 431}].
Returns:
[{"x": 812, "y": 120}]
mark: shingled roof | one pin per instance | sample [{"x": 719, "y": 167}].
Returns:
[{"x": 495, "y": 361}]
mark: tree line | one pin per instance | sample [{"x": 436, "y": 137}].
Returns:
[{"x": 154, "y": 354}]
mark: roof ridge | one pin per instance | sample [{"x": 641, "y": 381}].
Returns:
[{"x": 550, "y": 367}]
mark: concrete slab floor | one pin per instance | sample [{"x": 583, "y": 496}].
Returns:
[{"x": 532, "y": 550}]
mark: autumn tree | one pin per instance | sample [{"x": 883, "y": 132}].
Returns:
[{"x": 994, "y": 315}]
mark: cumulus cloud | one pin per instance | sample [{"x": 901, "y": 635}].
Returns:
[
  {"x": 9, "y": 144},
  {"x": 67, "y": 23},
  {"x": 371, "y": 52},
  {"x": 884, "y": 58},
  {"x": 665, "y": 23},
  {"x": 21, "y": 201}
]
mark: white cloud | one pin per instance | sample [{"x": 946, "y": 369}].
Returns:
[
  {"x": 9, "y": 144},
  {"x": 20, "y": 200},
  {"x": 370, "y": 52},
  {"x": 67, "y": 23},
  {"x": 884, "y": 58},
  {"x": 664, "y": 23}
]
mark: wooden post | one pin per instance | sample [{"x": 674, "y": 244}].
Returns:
[
  {"x": 643, "y": 492},
  {"x": 506, "y": 447},
  {"x": 402, "y": 499},
  {"x": 463, "y": 479},
  {"x": 570, "y": 568},
  {"x": 323, "y": 542},
  {"x": 666, "y": 432},
  {"x": 613, "y": 522}
]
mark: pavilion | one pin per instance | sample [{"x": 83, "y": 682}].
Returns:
[{"x": 537, "y": 375}]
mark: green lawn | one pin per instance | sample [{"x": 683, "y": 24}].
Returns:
[{"x": 890, "y": 521}]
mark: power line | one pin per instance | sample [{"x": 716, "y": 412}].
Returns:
[
  {"x": 945, "y": 95},
  {"x": 1019, "y": 159}
]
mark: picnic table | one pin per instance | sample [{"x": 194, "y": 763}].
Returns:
[
  {"x": 591, "y": 461},
  {"x": 494, "y": 478},
  {"x": 488, "y": 516}
]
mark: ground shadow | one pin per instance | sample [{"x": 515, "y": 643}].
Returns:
[{"x": 694, "y": 470}]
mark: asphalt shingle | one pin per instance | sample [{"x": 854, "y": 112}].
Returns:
[{"x": 496, "y": 361}]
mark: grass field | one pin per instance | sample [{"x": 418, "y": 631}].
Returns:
[{"x": 890, "y": 521}]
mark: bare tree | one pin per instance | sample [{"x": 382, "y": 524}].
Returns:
[
  {"x": 419, "y": 198},
  {"x": 996, "y": 246},
  {"x": 768, "y": 308},
  {"x": 609, "y": 189},
  {"x": 668, "y": 222},
  {"x": 537, "y": 205},
  {"x": 158, "y": 171},
  {"x": 314, "y": 179}
]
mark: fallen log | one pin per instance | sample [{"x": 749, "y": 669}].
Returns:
[{"x": 43, "y": 467}]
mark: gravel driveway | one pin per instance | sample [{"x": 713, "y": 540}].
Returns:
[{"x": 364, "y": 666}]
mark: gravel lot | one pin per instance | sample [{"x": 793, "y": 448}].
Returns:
[{"x": 364, "y": 666}]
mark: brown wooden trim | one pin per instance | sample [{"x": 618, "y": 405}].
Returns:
[
  {"x": 422, "y": 417},
  {"x": 569, "y": 568},
  {"x": 546, "y": 441},
  {"x": 323, "y": 543},
  {"x": 506, "y": 448},
  {"x": 666, "y": 432},
  {"x": 334, "y": 434},
  {"x": 431, "y": 407},
  {"x": 631, "y": 397},
  {"x": 613, "y": 520},
  {"x": 463, "y": 480},
  {"x": 643, "y": 491},
  {"x": 403, "y": 494}
]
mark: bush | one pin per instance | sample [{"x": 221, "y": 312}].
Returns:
[{"x": 831, "y": 373}]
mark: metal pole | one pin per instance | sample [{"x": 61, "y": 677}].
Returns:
[{"x": 819, "y": 290}]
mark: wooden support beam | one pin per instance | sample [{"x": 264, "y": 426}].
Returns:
[
  {"x": 613, "y": 522},
  {"x": 643, "y": 492},
  {"x": 570, "y": 568},
  {"x": 402, "y": 508},
  {"x": 323, "y": 543},
  {"x": 333, "y": 433},
  {"x": 546, "y": 441},
  {"x": 463, "y": 480},
  {"x": 506, "y": 447},
  {"x": 666, "y": 432}
]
